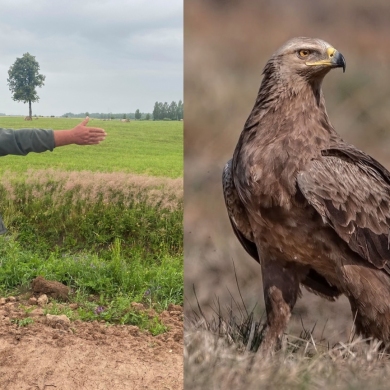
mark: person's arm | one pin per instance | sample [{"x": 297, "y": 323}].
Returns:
[
  {"x": 24, "y": 141},
  {"x": 79, "y": 135}
]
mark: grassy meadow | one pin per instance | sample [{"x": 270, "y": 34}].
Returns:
[
  {"x": 142, "y": 147},
  {"x": 106, "y": 220}
]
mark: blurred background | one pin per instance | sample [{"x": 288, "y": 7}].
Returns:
[{"x": 227, "y": 43}]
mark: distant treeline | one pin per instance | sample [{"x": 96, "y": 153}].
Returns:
[
  {"x": 173, "y": 111},
  {"x": 99, "y": 115},
  {"x": 161, "y": 111}
]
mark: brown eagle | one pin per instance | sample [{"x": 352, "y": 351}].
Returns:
[{"x": 310, "y": 208}]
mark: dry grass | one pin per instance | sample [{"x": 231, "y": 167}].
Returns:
[
  {"x": 90, "y": 187},
  {"x": 221, "y": 353},
  {"x": 213, "y": 362}
]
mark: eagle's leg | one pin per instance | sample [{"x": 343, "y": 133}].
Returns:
[{"x": 281, "y": 289}]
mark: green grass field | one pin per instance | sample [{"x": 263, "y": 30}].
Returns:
[
  {"x": 106, "y": 220},
  {"x": 142, "y": 147}
]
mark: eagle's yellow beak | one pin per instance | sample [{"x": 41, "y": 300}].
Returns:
[{"x": 335, "y": 59}]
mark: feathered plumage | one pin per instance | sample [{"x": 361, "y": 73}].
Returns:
[{"x": 310, "y": 208}]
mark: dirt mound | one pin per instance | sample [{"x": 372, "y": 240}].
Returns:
[
  {"x": 86, "y": 355},
  {"x": 50, "y": 287}
]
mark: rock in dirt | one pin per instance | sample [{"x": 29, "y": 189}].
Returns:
[
  {"x": 58, "y": 322},
  {"x": 172, "y": 307},
  {"x": 37, "y": 312},
  {"x": 33, "y": 301},
  {"x": 51, "y": 288},
  {"x": 137, "y": 306},
  {"x": 42, "y": 300},
  {"x": 2, "y": 301}
]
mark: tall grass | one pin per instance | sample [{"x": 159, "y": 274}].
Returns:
[
  {"x": 86, "y": 211},
  {"x": 118, "y": 276}
]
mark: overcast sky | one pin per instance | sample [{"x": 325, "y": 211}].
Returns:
[{"x": 97, "y": 55}]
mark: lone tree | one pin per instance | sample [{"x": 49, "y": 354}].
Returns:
[
  {"x": 23, "y": 78},
  {"x": 137, "y": 114}
]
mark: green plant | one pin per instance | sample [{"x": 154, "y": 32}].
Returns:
[{"x": 23, "y": 322}]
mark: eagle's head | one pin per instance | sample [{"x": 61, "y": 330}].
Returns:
[{"x": 308, "y": 57}]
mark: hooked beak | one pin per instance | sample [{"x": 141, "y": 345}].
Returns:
[{"x": 335, "y": 59}]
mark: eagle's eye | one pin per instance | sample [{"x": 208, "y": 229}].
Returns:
[{"x": 303, "y": 53}]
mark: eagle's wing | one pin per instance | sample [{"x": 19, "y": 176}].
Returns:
[
  {"x": 351, "y": 192},
  {"x": 239, "y": 220},
  {"x": 237, "y": 213}
]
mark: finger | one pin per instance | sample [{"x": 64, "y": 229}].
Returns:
[
  {"x": 96, "y": 130},
  {"x": 85, "y": 121},
  {"x": 97, "y": 137},
  {"x": 96, "y": 140}
]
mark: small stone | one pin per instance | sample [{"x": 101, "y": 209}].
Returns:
[
  {"x": 33, "y": 301},
  {"x": 172, "y": 307},
  {"x": 137, "y": 306},
  {"x": 2, "y": 301},
  {"x": 10, "y": 306},
  {"x": 38, "y": 312},
  {"x": 59, "y": 322},
  {"x": 11, "y": 299},
  {"x": 175, "y": 313},
  {"x": 178, "y": 336},
  {"x": 133, "y": 330},
  {"x": 42, "y": 300},
  {"x": 73, "y": 306}
]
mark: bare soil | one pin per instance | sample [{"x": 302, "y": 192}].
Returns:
[{"x": 49, "y": 354}]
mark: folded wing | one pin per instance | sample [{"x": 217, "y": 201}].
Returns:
[{"x": 351, "y": 192}]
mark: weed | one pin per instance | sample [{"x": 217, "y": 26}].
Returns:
[{"x": 23, "y": 322}]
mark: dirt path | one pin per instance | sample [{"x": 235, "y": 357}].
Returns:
[{"x": 88, "y": 355}]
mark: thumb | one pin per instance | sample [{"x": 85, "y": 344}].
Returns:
[{"x": 85, "y": 121}]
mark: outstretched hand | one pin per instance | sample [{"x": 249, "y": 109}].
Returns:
[
  {"x": 79, "y": 135},
  {"x": 84, "y": 135}
]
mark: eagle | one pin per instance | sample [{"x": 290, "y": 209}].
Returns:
[{"x": 313, "y": 210}]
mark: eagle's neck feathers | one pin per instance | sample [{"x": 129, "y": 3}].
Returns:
[
  {"x": 286, "y": 97},
  {"x": 287, "y": 127}
]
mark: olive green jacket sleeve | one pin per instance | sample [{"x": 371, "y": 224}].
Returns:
[{"x": 22, "y": 142}]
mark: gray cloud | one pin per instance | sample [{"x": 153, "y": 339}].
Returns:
[{"x": 116, "y": 55}]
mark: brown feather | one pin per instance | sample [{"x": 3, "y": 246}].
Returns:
[
  {"x": 354, "y": 198},
  {"x": 310, "y": 208}
]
